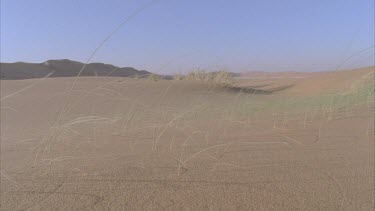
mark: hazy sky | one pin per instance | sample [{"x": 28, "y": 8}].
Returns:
[{"x": 177, "y": 35}]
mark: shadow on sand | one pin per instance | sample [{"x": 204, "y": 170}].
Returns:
[{"x": 255, "y": 90}]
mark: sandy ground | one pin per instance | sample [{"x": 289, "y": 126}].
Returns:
[
  {"x": 307, "y": 83},
  {"x": 134, "y": 144}
]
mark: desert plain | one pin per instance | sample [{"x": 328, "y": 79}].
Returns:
[{"x": 276, "y": 141}]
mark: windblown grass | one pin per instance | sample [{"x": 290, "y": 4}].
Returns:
[{"x": 220, "y": 78}]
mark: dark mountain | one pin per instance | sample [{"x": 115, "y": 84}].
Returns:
[{"x": 65, "y": 68}]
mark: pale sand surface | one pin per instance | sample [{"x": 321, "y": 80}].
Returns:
[{"x": 126, "y": 143}]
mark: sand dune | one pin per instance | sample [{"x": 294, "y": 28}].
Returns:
[
  {"x": 137, "y": 144},
  {"x": 307, "y": 83}
]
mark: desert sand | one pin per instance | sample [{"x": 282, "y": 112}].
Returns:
[{"x": 299, "y": 143}]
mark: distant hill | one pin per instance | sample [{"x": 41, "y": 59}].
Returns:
[{"x": 64, "y": 68}]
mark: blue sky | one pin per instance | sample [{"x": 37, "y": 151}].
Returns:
[{"x": 174, "y": 36}]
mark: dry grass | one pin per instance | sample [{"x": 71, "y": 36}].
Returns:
[
  {"x": 218, "y": 78},
  {"x": 179, "y": 130},
  {"x": 154, "y": 77},
  {"x": 178, "y": 144}
]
